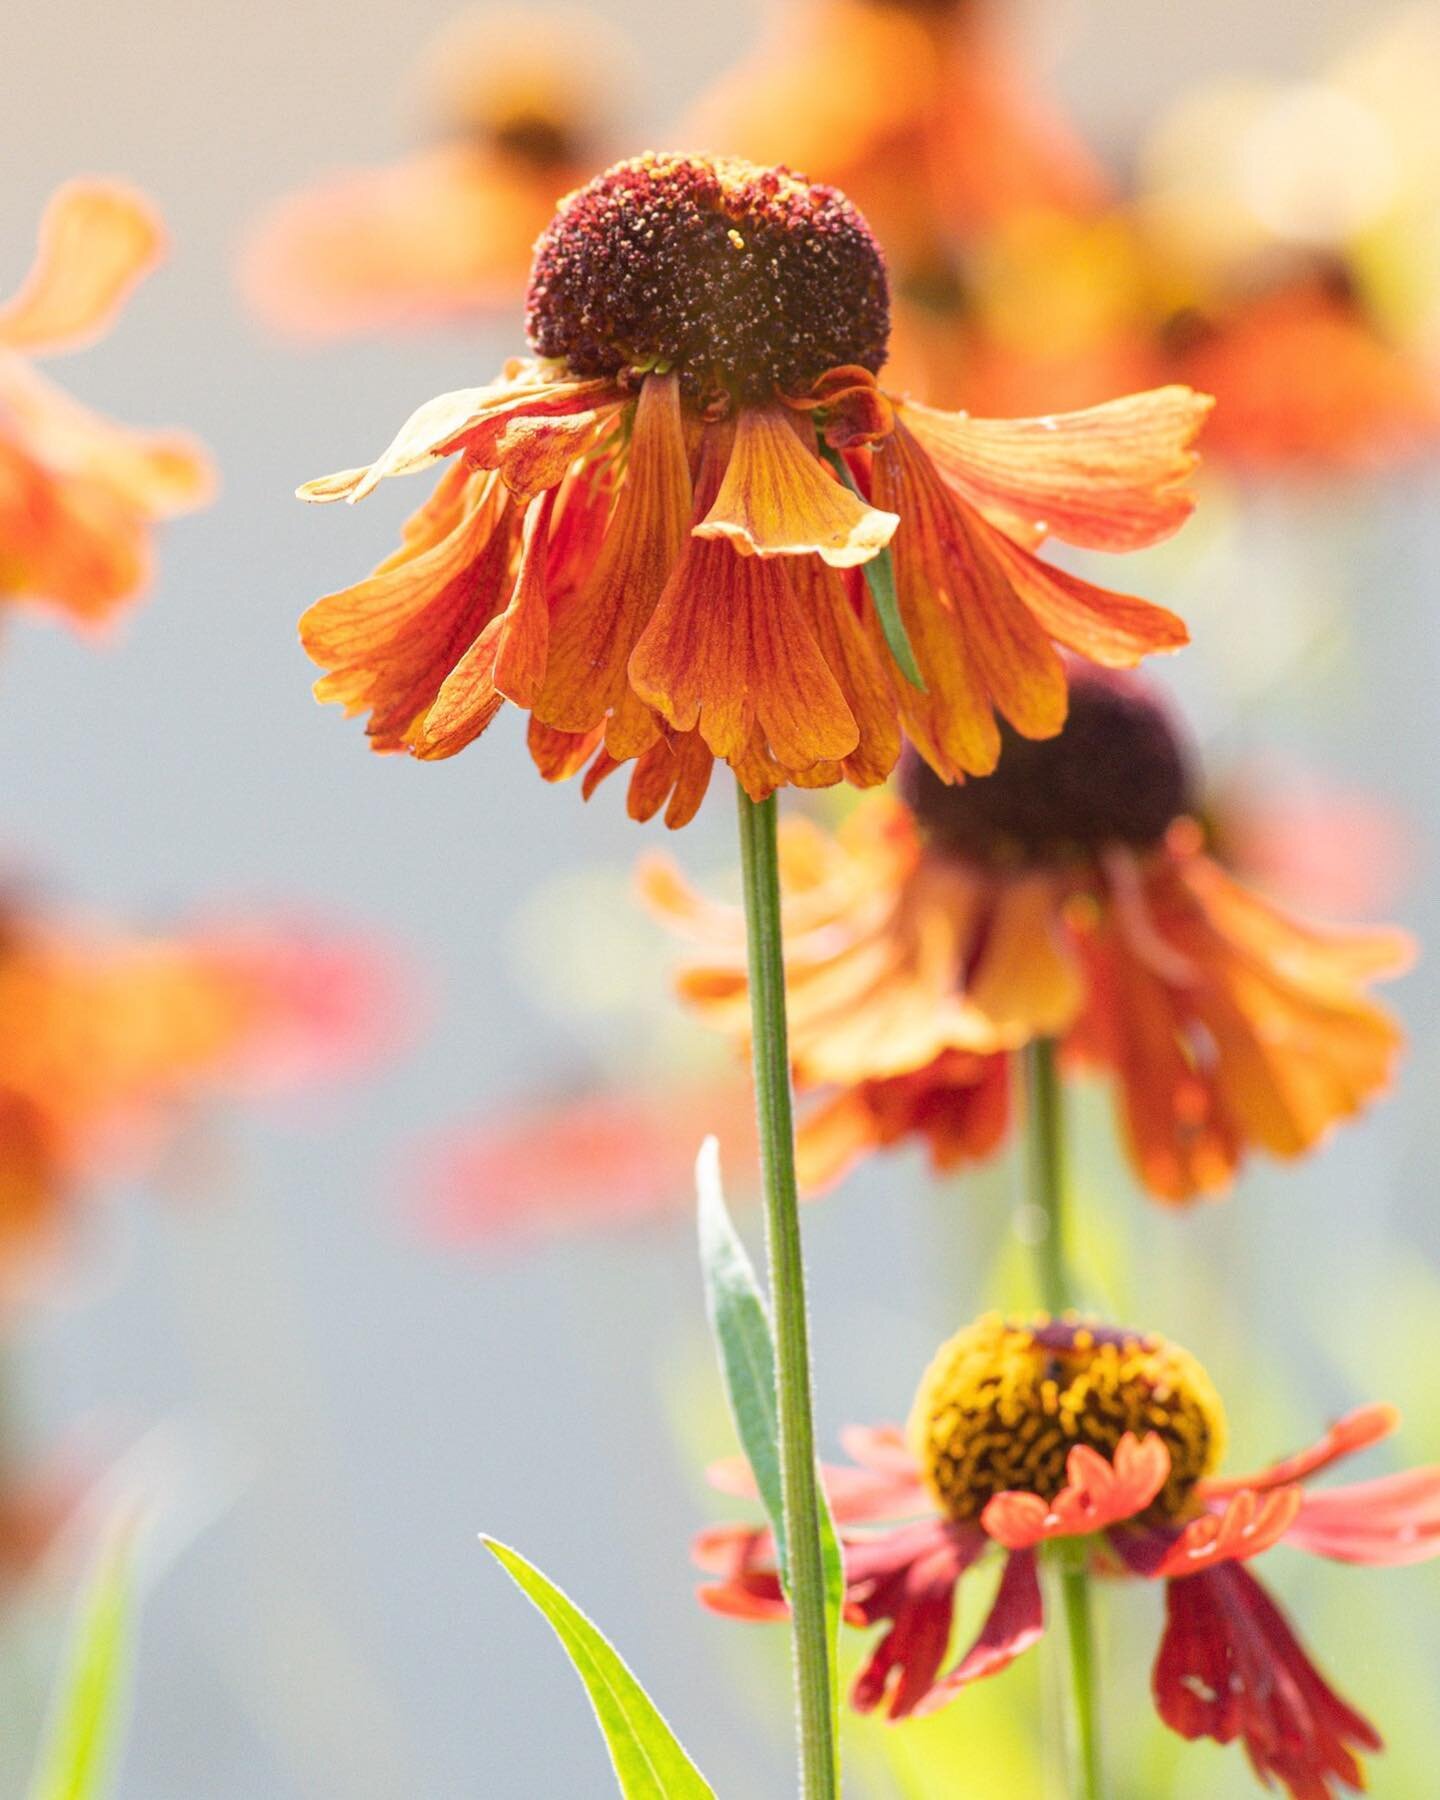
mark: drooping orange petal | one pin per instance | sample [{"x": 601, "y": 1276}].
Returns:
[
  {"x": 1181, "y": 1140},
  {"x": 849, "y": 638},
  {"x": 559, "y": 754},
  {"x": 1113, "y": 629},
  {"x": 97, "y": 239},
  {"x": 674, "y": 773},
  {"x": 779, "y": 499},
  {"x": 831, "y": 1138},
  {"x": 465, "y": 706},
  {"x": 595, "y": 630},
  {"x": 978, "y": 647},
  {"x": 1108, "y": 478},
  {"x": 523, "y": 643},
  {"x": 1311, "y": 953},
  {"x": 728, "y": 650},
  {"x": 392, "y": 641},
  {"x": 1027, "y": 979},
  {"x": 68, "y": 539},
  {"x": 158, "y": 474},
  {"x": 1299, "y": 1045}
]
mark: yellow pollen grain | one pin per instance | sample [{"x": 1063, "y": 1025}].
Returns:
[
  {"x": 735, "y": 238},
  {"x": 1005, "y": 1401}
]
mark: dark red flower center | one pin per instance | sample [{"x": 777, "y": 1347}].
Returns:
[
  {"x": 537, "y": 139},
  {"x": 1117, "y": 773},
  {"x": 743, "y": 279},
  {"x": 1006, "y": 1400}
]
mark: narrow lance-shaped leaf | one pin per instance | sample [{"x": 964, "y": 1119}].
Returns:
[
  {"x": 650, "y": 1762},
  {"x": 746, "y": 1344},
  {"x": 744, "y": 1341},
  {"x": 88, "y": 1704},
  {"x": 879, "y": 574}
]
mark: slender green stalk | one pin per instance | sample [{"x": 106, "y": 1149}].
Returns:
[
  {"x": 1047, "y": 1174},
  {"x": 798, "y": 1478},
  {"x": 1074, "y": 1583},
  {"x": 1049, "y": 1180}
]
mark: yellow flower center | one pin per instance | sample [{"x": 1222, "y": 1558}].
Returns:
[
  {"x": 744, "y": 280},
  {"x": 1117, "y": 774},
  {"x": 1004, "y": 1402}
]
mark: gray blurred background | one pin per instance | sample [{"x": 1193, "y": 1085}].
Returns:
[{"x": 347, "y": 1403}]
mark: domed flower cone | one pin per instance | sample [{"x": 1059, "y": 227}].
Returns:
[
  {"x": 1033, "y": 1432},
  {"x": 654, "y": 534}
]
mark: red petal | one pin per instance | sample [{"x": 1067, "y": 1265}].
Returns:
[
  {"x": 1229, "y": 1666},
  {"x": 1016, "y": 1621},
  {"x": 1249, "y": 1524},
  {"x": 1355, "y": 1432},
  {"x": 1098, "y": 1494},
  {"x": 1393, "y": 1520}
]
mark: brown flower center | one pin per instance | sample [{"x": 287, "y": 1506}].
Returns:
[
  {"x": 537, "y": 139},
  {"x": 1005, "y": 1401},
  {"x": 743, "y": 279},
  {"x": 1116, "y": 774}
]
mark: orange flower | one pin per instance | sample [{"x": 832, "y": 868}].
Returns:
[
  {"x": 78, "y": 493},
  {"x": 964, "y": 142},
  {"x": 1028, "y": 1431},
  {"x": 1069, "y": 896},
  {"x": 653, "y": 537},
  {"x": 449, "y": 230},
  {"x": 594, "y": 1161},
  {"x": 1305, "y": 379},
  {"x": 103, "y": 1038},
  {"x": 1013, "y": 288}
]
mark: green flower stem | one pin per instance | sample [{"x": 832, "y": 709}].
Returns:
[
  {"x": 1049, "y": 1180},
  {"x": 799, "y": 1481}
]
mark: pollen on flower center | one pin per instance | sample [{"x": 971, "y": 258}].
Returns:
[
  {"x": 1117, "y": 773},
  {"x": 743, "y": 279},
  {"x": 1005, "y": 1401}
]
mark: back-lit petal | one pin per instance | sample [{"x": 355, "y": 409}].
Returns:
[
  {"x": 1109, "y": 478},
  {"x": 97, "y": 240}
]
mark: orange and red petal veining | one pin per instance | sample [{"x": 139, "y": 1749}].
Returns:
[
  {"x": 1108, "y": 478},
  {"x": 596, "y": 627},
  {"x": 978, "y": 646}
]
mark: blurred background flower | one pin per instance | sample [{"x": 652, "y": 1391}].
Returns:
[
  {"x": 515, "y": 109},
  {"x": 79, "y": 493}
]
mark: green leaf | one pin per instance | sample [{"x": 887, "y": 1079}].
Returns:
[
  {"x": 880, "y": 579},
  {"x": 741, "y": 1324},
  {"x": 743, "y": 1338},
  {"x": 833, "y": 1559},
  {"x": 650, "y": 1762},
  {"x": 88, "y": 1704}
]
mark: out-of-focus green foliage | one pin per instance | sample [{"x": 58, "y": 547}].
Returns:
[{"x": 88, "y": 1705}]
